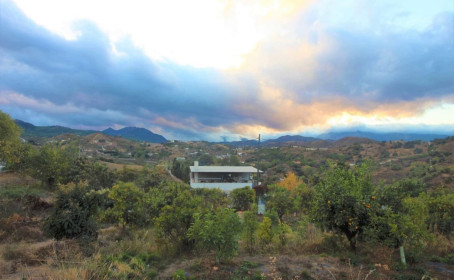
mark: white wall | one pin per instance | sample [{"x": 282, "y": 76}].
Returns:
[{"x": 222, "y": 186}]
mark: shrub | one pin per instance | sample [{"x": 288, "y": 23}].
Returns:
[
  {"x": 344, "y": 201},
  {"x": 242, "y": 198},
  {"x": 265, "y": 232},
  {"x": 250, "y": 226},
  {"x": 128, "y": 205},
  {"x": 72, "y": 215},
  {"x": 217, "y": 231}
]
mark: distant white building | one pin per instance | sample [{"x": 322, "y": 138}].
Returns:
[{"x": 225, "y": 178}]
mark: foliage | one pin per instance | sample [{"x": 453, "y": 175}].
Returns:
[
  {"x": 212, "y": 198},
  {"x": 149, "y": 178},
  {"x": 283, "y": 230},
  {"x": 9, "y": 139},
  {"x": 441, "y": 211},
  {"x": 52, "y": 164},
  {"x": 344, "y": 201},
  {"x": 72, "y": 215},
  {"x": 279, "y": 200},
  {"x": 393, "y": 195},
  {"x": 96, "y": 175},
  {"x": 127, "y": 174},
  {"x": 242, "y": 198},
  {"x": 180, "y": 274},
  {"x": 217, "y": 231},
  {"x": 290, "y": 182},
  {"x": 181, "y": 170},
  {"x": 163, "y": 195},
  {"x": 404, "y": 225},
  {"x": 128, "y": 205},
  {"x": 206, "y": 160},
  {"x": 265, "y": 232},
  {"x": 175, "y": 219},
  {"x": 302, "y": 197},
  {"x": 250, "y": 225}
]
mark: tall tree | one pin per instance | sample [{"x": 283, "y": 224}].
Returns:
[
  {"x": 9, "y": 139},
  {"x": 52, "y": 164},
  {"x": 344, "y": 201}
]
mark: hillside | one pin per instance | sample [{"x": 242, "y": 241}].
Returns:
[
  {"x": 136, "y": 133},
  {"x": 31, "y": 131},
  {"x": 39, "y": 134}
]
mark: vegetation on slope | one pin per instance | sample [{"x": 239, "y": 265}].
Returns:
[{"x": 328, "y": 218}]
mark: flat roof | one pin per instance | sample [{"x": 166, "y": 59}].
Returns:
[{"x": 224, "y": 169}]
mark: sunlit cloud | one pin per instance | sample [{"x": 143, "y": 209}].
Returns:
[{"x": 204, "y": 69}]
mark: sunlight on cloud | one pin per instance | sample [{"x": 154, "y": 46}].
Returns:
[
  {"x": 202, "y": 33},
  {"x": 440, "y": 115}
]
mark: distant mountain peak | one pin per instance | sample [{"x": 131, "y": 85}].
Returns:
[
  {"x": 136, "y": 133},
  {"x": 132, "y": 133}
]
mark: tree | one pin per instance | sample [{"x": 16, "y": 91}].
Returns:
[
  {"x": 52, "y": 164},
  {"x": 290, "y": 182},
  {"x": 407, "y": 226},
  {"x": 212, "y": 199},
  {"x": 72, "y": 214},
  {"x": 96, "y": 175},
  {"x": 127, "y": 174},
  {"x": 217, "y": 231},
  {"x": 265, "y": 232},
  {"x": 128, "y": 205},
  {"x": 9, "y": 139},
  {"x": 344, "y": 201},
  {"x": 176, "y": 218},
  {"x": 242, "y": 198},
  {"x": 441, "y": 211},
  {"x": 393, "y": 195},
  {"x": 279, "y": 200},
  {"x": 250, "y": 225},
  {"x": 181, "y": 170},
  {"x": 20, "y": 157},
  {"x": 283, "y": 229},
  {"x": 302, "y": 197},
  {"x": 151, "y": 178},
  {"x": 206, "y": 159}
]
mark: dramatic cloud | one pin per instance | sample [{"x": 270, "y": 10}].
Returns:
[{"x": 304, "y": 69}]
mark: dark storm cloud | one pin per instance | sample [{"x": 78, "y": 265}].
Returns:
[{"x": 88, "y": 75}]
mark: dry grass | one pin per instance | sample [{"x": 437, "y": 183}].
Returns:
[
  {"x": 440, "y": 245},
  {"x": 15, "y": 179},
  {"x": 20, "y": 228},
  {"x": 380, "y": 255},
  {"x": 117, "y": 166},
  {"x": 20, "y": 253}
]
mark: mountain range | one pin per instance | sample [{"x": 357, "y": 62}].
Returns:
[
  {"x": 136, "y": 133},
  {"x": 31, "y": 131},
  {"x": 328, "y": 139},
  {"x": 394, "y": 136}
]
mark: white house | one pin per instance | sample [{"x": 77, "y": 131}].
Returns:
[{"x": 225, "y": 178}]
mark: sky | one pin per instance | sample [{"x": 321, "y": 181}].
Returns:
[{"x": 213, "y": 70}]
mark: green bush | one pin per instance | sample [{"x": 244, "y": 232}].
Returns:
[
  {"x": 217, "y": 231},
  {"x": 72, "y": 215},
  {"x": 179, "y": 275},
  {"x": 128, "y": 205},
  {"x": 242, "y": 198}
]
